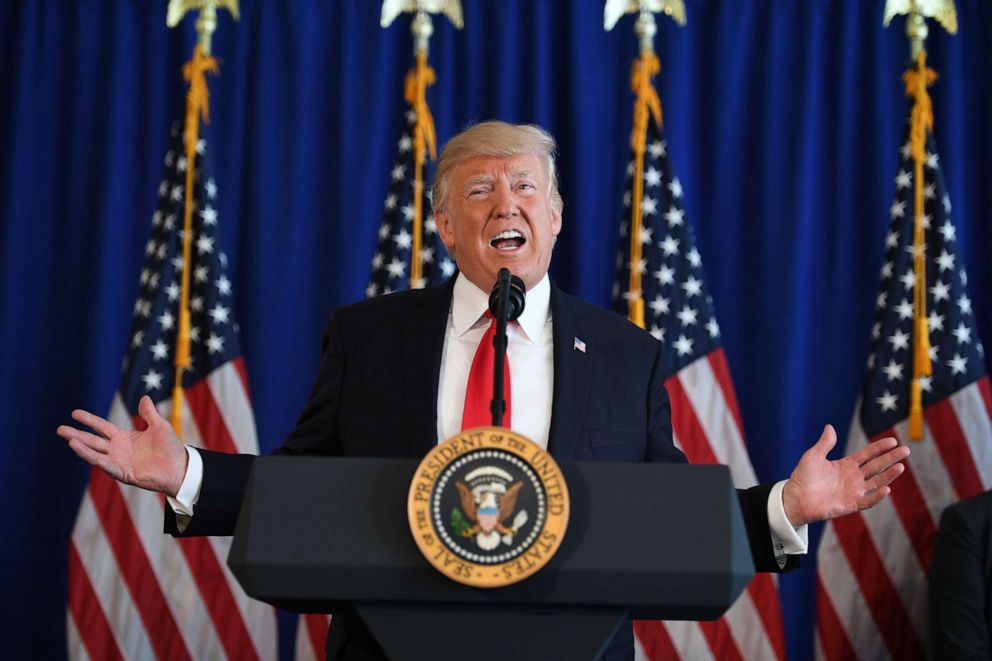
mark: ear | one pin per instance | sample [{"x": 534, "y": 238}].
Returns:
[
  {"x": 555, "y": 220},
  {"x": 442, "y": 221}
]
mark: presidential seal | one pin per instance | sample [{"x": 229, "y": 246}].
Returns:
[{"x": 488, "y": 507}]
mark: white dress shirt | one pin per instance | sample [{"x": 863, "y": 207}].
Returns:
[{"x": 529, "y": 350}]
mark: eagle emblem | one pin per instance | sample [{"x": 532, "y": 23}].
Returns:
[
  {"x": 488, "y": 507},
  {"x": 488, "y": 498}
]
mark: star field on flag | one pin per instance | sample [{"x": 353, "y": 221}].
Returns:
[{"x": 391, "y": 262}]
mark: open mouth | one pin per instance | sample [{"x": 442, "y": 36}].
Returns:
[{"x": 508, "y": 240}]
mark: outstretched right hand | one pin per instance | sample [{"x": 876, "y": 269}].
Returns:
[{"x": 153, "y": 459}]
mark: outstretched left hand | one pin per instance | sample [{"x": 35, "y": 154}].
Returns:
[{"x": 820, "y": 489}]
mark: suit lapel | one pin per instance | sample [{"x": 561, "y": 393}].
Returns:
[
  {"x": 421, "y": 342},
  {"x": 573, "y": 377}
]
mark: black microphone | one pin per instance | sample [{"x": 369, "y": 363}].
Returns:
[
  {"x": 506, "y": 302},
  {"x": 516, "y": 295}
]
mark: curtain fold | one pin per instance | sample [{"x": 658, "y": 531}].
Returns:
[{"x": 783, "y": 117}]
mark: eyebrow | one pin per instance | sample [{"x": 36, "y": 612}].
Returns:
[
  {"x": 487, "y": 178},
  {"x": 479, "y": 179}
]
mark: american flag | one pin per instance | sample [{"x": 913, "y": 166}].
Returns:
[
  {"x": 705, "y": 417},
  {"x": 872, "y": 566},
  {"x": 135, "y": 593},
  {"x": 391, "y": 262}
]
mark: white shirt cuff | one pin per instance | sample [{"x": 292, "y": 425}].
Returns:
[
  {"x": 189, "y": 490},
  {"x": 786, "y": 540}
]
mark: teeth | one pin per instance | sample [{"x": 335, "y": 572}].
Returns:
[{"x": 508, "y": 234}]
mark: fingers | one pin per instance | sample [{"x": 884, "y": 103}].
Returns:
[
  {"x": 883, "y": 479},
  {"x": 83, "y": 438},
  {"x": 826, "y": 442},
  {"x": 102, "y": 427},
  {"x": 880, "y": 463},
  {"x": 96, "y": 459},
  {"x": 85, "y": 453},
  {"x": 148, "y": 412},
  {"x": 875, "y": 449},
  {"x": 873, "y": 498}
]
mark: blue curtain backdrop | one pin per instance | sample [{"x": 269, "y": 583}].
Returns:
[{"x": 784, "y": 120}]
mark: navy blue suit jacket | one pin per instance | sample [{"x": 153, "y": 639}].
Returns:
[
  {"x": 961, "y": 581},
  {"x": 376, "y": 396}
]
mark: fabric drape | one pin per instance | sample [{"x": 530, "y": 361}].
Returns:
[{"x": 783, "y": 120}]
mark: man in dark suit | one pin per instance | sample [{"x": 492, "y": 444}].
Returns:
[
  {"x": 961, "y": 581},
  {"x": 394, "y": 374}
]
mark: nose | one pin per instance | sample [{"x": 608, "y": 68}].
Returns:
[{"x": 504, "y": 202}]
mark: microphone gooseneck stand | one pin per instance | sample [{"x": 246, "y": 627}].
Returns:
[{"x": 506, "y": 302}]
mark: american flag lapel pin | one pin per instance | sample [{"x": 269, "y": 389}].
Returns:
[{"x": 579, "y": 345}]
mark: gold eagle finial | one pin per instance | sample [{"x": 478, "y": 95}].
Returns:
[
  {"x": 942, "y": 10},
  {"x": 616, "y": 8},
  {"x": 206, "y": 23},
  {"x": 178, "y": 9},
  {"x": 393, "y": 8}
]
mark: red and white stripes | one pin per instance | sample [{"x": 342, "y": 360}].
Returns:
[
  {"x": 311, "y": 635},
  {"x": 872, "y": 566},
  {"x": 136, "y": 593},
  {"x": 707, "y": 425}
]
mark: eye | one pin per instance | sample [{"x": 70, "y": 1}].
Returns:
[{"x": 525, "y": 186}]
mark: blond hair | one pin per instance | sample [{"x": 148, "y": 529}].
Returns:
[{"x": 494, "y": 138}]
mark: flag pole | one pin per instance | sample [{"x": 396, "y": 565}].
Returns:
[
  {"x": 197, "y": 107},
  {"x": 646, "y": 105},
  {"x": 646, "y": 102},
  {"x": 917, "y": 78},
  {"x": 417, "y": 81}
]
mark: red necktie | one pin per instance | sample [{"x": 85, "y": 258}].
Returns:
[{"x": 479, "y": 393}]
